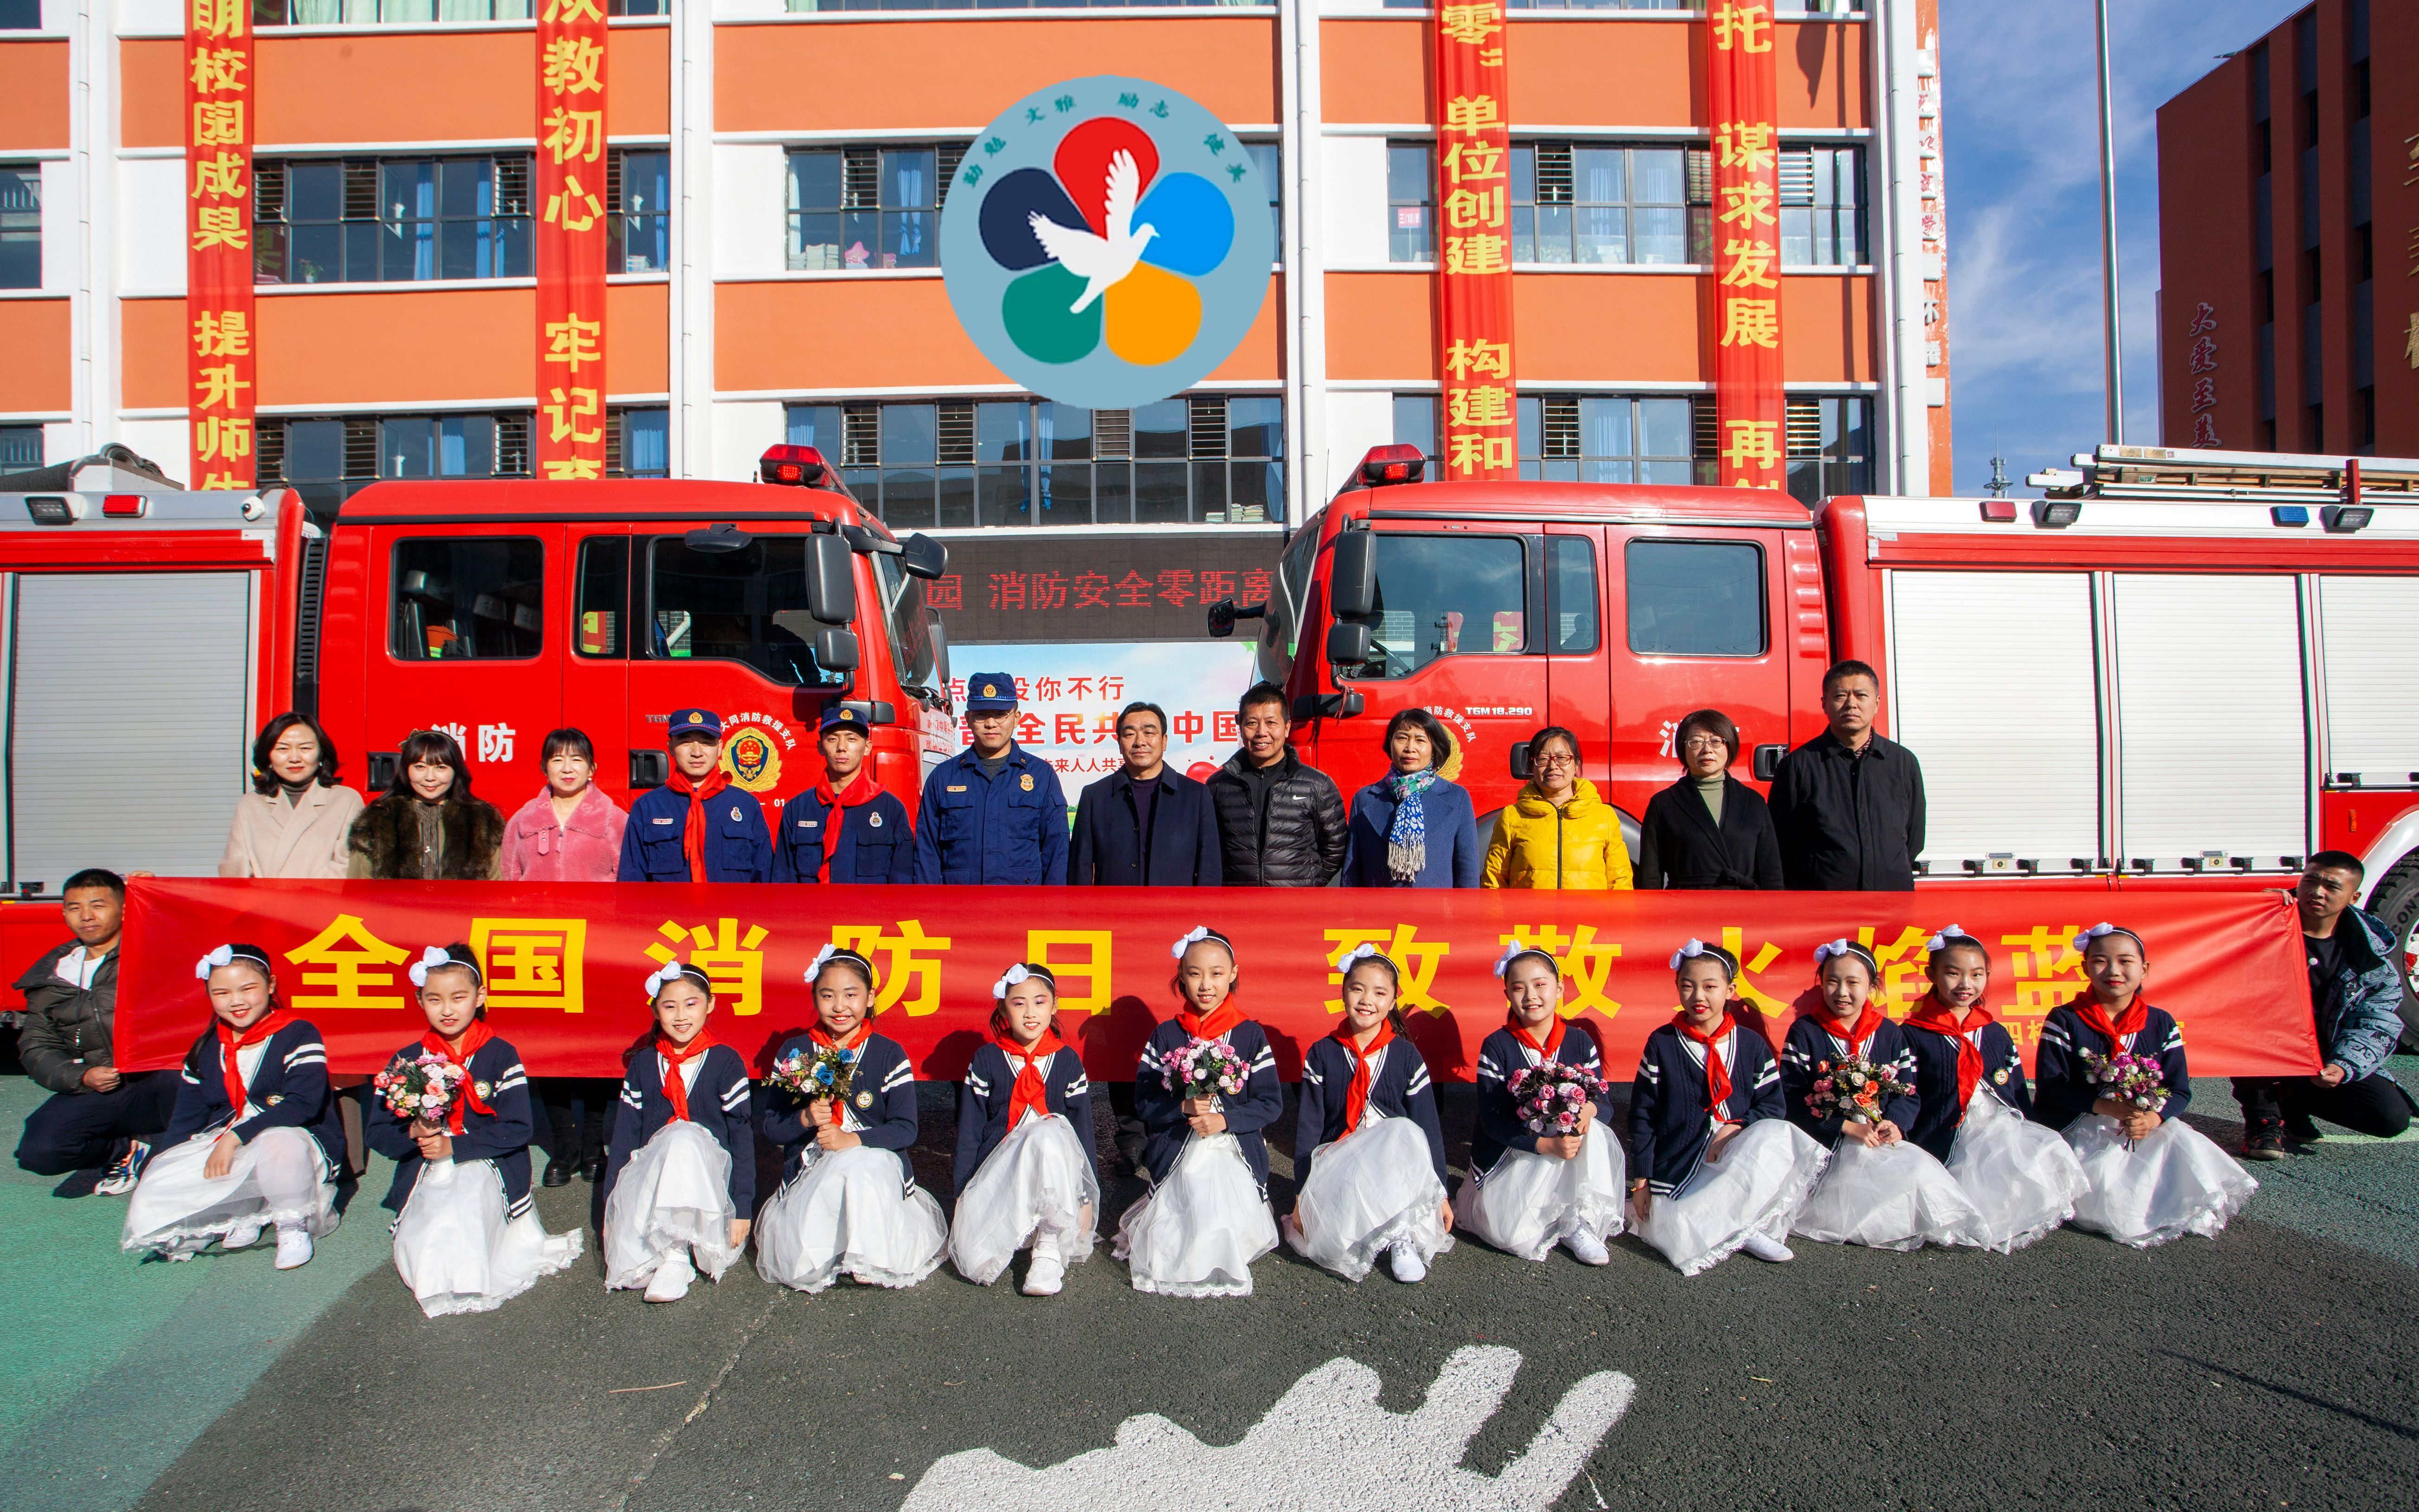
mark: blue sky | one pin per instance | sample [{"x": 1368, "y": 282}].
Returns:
[{"x": 2020, "y": 93}]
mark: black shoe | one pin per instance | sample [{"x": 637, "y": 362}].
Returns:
[
  {"x": 78, "y": 1185},
  {"x": 593, "y": 1169},
  {"x": 558, "y": 1173},
  {"x": 2300, "y": 1130},
  {"x": 2263, "y": 1142}
]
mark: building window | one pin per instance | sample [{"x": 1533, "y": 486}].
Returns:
[
  {"x": 1822, "y": 206},
  {"x": 21, "y": 447},
  {"x": 399, "y": 13},
  {"x": 1268, "y": 158},
  {"x": 637, "y": 444},
  {"x": 1576, "y": 203},
  {"x": 390, "y": 219},
  {"x": 1608, "y": 439},
  {"x": 21, "y": 15},
  {"x": 341, "y": 448},
  {"x": 639, "y": 198},
  {"x": 866, "y": 207},
  {"x": 1830, "y": 446},
  {"x": 1199, "y": 458},
  {"x": 1411, "y": 202},
  {"x": 21, "y": 225}
]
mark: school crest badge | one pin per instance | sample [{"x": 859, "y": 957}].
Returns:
[{"x": 865, "y": 1100}]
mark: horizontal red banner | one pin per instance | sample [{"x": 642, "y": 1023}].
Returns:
[{"x": 566, "y": 963}]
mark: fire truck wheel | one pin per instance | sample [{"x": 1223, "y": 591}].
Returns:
[{"x": 2396, "y": 904}]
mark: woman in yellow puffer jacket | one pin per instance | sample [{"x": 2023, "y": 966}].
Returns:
[{"x": 1558, "y": 833}]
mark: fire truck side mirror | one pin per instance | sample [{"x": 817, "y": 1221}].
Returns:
[
  {"x": 1348, "y": 645},
  {"x": 836, "y": 649},
  {"x": 831, "y": 584},
  {"x": 1767, "y": 761},
  {"x": 923, "y": 557},
  {"x": 1523, "y": 768},
  {"x": 1352, "y": 576},
  {"x": 648, "y": 769}
]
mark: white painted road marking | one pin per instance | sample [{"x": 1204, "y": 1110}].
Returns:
[{"x": 1325, "y": 1444}]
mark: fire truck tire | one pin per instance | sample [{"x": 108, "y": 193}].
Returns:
[{"x": 2396, "y": 904}]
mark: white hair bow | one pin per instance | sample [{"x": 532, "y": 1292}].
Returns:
[
  {"x": 669, "y": 974},
  {"x": 815, "y": 967},
  {"x": 1687, "y": 953},
  {"x": 219, "y": 957},
  {"x": 1198, "y": 933},
  {"x": 1010, "y": 978},
  {"x": 1361, "y": 951},
  {"x": 1518, "y": 949},
  {"x": 430, "y": 960},
  {"x": 2083, "y": 941},
  {"x": 1950, "y": 934},
  {"x": 1825, "y": 952}
]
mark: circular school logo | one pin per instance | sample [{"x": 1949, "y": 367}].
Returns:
[
  {"x": 1107, "y": 243},
  {"x": 751, "y": 760}
]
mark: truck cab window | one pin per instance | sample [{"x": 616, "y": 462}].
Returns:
[
  {"x": 1282, "y": 630},
  {"x": 747, "y": 606},
  {"x": 1446, "y": 596},
  {"x": 470, "y": 599},
  {"x": 1571, "y": 587},
  {"x": 911, "y": 632},
  {"x": 604, "y": 596},
  {"x": 1696, "y": 598}
]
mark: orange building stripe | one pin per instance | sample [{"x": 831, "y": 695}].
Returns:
[
  {"x": 34, "y": 87},
  {"x": 36, "y": 336}
]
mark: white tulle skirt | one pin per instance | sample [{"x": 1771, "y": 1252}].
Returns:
[
  {"x": 1529, "y": 1202},
  {"x": 675, "y": 1191},
  {"x": 1756, "y": 1187},
  {"x": 1037, "y": 1188},
  {"x": 1893, "y": 1196},
  {"x": 1197, "y": 1233},
  {"x": 853, "y": 1211},
  {"x": 2021, "y": 1177},
  {"x": 280, "y": 1180},
  {"x": 457, "y": 1251},
  {"x": 1367, "y": 1192},
  {"x": 2172, "y": 1183}
]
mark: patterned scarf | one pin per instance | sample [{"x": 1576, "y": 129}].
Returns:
[{"x": 1406, "y": 842}]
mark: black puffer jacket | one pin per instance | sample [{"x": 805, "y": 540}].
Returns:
[
  {"x": 1299, "y": 842},
  {"x": 67, "y": 1027}
]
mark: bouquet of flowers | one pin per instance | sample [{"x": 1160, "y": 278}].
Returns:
[
  {"x": 1553, "y": 1099},
  {"x": 1854, "y": 1089},
  {"x": 1204, "y": 1069},
  {"x": 2137, "y": 1082},
  {"x": 423, "y": 1088},
  {"x": 810, "y": 1074}
]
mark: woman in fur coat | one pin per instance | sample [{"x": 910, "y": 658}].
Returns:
[{"x": 427, "y": 826}]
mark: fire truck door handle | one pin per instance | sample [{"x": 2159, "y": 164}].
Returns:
[
  {"x": 1767, "y": 761},
  {"x": 648, "y": 769},
  {"x": 382, "y": 770}
]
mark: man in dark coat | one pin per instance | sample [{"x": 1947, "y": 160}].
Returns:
[
  {"x": 1144, "y": 826},
  {"x": 1848, "y": 805},
  {"x": 1280, "y": 824},
  {"x": 96, "y": 1129}
]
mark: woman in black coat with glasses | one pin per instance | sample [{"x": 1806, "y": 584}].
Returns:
[{"x": 1709, "y": 829}]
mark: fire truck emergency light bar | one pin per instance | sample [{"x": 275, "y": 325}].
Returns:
[{"x": 2340, "y": 490}]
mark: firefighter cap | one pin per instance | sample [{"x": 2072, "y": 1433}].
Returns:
[
  {"x": 841, "y": 716},
  {"x": 990, "y": 693},
  {"x": 696, "y": 721}
]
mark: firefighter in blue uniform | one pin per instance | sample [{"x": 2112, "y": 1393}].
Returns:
[
  {"x": 846, "y": 827},
  {"x": 994, "y": 812},
  {"x": 700, "y": 827}
]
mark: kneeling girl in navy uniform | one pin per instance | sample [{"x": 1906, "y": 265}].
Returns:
[
  {"x": 1027, "y": 1169},
  {"x": 255, "y": 1138},
  {"x": 846, "y": 827},
  {"x": 467, "y": 1237},
  {"x": 849, "y": 1199},
  {"x": 1719, "y": 1166},
  {"x": 680, "y": 1176},
  {"x": 1206, "y": 1218},
  {"x": 1368, "y": 1161}
]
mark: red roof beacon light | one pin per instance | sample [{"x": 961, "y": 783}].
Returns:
[
  {"x": 1399, "y": 463},
  {"x": 797, "y": 467},
  {"x": 125, "y": 506}
]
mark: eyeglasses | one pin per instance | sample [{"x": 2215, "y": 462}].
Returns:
[
  {"x": 1707, "y": 743},
  {"x": 1557, "y": 758}
]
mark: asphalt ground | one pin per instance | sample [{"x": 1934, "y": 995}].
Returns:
[{"x": 2272, "y": 1367}]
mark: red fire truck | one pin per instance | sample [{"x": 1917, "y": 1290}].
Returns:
[{"x": 2186, "y": 664}]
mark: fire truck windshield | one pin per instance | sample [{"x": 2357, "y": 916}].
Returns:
[{"x": 747, "y": 606}]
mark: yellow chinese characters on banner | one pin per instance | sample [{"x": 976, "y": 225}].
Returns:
[
  {"x": 219, "y": 119},
  {"x": 732, "y": 956},
  {"x": 573, "y": 237},
  {"x": 533, "y": 963},
  {"x": 906, "y": 964},
  {"x": 1742, "y": 91},
  {"x": 347, "y": 969},
  {"x": 1416, "y": 959},
  {"x": 1478, "y": 431}
]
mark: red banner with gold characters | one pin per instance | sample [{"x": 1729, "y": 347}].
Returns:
[
  {"x": 219, "y": 101},
  {"x": 1479, "y": 431},
  {"x": 1742, "y": 91},
  {"x": 566, "y": 963},
  {"x": 572, "y": 230}
]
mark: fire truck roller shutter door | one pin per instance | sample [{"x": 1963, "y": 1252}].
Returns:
[
  {"x": 2371, "y": 630},
  {"x": 133, "y": 673},
  {"x": 2005, "y": 772}
]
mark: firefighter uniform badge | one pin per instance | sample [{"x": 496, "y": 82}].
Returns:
[{"x": 1025, "y": 781}]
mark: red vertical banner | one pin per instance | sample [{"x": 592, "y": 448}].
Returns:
[
  {"x": 1480, "y": 431},
  {"x": 1742, "y": 90},
  {"x": 569, "y": 442},
  {"x": 219, "y": 101}
]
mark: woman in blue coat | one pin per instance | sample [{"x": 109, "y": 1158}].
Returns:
[{"x": 1411, "y": 827}]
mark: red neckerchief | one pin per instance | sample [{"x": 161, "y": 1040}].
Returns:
[
  {"x": 1717, "y": 1077},
  {"x": 2095, "y": 1018},
  {"x": 1867, "y": 1022},
  {"x": 860, "y": 791},
  {"x": 675, "y": 1085},
  {"x": 1032, "y": 1092},
  {"x": 230, "y": 1042},
  {"x": 1553, "y": 1037},
  {"x": 1356, "y": 1101},
  {"x": 474, "y": 1039},
  {"x": 693, "y": 835},
  {"x": 1933, "y": 1014},
  {"x": 1211, "y": 1026},
  {"x": 856, "y": 1037}
]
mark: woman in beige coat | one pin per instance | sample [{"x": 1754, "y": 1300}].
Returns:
[{"x": 295, "y": 820}]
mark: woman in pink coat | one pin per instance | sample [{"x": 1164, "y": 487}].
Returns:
[{"x": 570, "y": 832}]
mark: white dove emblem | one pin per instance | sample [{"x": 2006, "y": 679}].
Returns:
[{"x": 1099, "y": 261}]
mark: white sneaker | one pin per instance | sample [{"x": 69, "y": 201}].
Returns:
[
  {"x": 672, "y": 1278},
  {"x": 242, "y": 1235},
  {"x": 1047, "y": 1275},
  {"x": 125, "y": 1171},
  {"x": 1764, "y": 1247},
  {"x": 1406, "y": 1265},
  {"x": 1587, "y": 1249},
  {"x": 293, "y": 1248}
]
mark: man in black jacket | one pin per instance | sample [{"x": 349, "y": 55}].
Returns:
[
  {"x": 1144, "y": 826},
  {"x": 1280, "y": 824},
  {"x": 95, "y": 1130},
  {"x": 1849, "y": 804}
]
